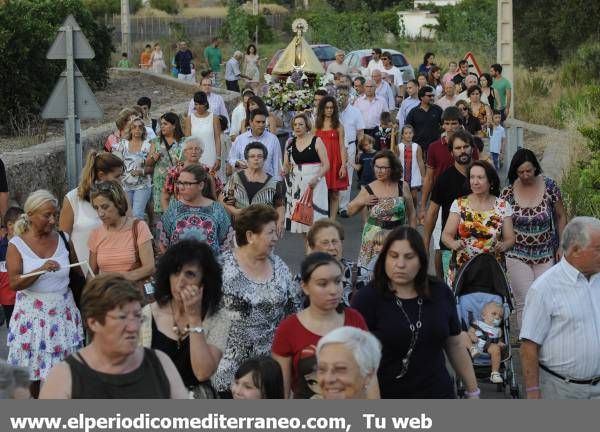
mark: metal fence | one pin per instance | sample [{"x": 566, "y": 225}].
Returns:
[{"x": 152, "y": 28}]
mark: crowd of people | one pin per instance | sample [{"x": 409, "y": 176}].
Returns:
[{"x": 175, "y": 224}]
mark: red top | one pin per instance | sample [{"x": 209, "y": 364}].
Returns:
[
  {"x": 294, "y": 340},
  {"x": 439, "y": 158}
]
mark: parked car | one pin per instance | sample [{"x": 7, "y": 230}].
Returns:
[
  {"x": 358, "y": 61},
  {"x": 324, "y": 52}
]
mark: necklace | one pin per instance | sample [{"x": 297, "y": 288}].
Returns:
[
  {"x": 414, "y": 329},
  {"x": 181, "y": 333}
]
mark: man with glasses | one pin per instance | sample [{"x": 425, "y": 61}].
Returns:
[
  {"x": 354, "y": 125},
  {"x": 215, "y": 101},
  {"x": 371, "y": 106},
  {"x": 470, "y": 81},
  {"x": 410, "y": 102},
  {"x": 449, "y": 99},
  {"x": 375, "y": 62},
  {"x": 392, "y": 74},
  {"x": 384, "y": 90},
  {"x": 426, "y": 119},
  {"x": 257, "y": 133},
  {"x": 338, "y": 65}
]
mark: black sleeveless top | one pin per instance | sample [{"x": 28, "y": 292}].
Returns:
[
  {"x": 148, "y": 381},
  {"x": 308, "y": 155},
  {"x": 179, "y": 355}
]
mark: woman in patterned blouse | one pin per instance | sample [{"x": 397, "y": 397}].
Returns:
[
  {"x": 539, "y": 218},
  {"x": 258, "y": 292}
]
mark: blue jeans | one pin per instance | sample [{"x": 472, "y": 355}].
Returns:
[
  {"x": 496, "y": 159},
  {"x": 138, "y": 199}
]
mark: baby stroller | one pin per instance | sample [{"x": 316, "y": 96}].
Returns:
[{"x": 480, "y": 281}]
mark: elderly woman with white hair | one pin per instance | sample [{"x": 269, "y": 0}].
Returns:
[
  {"x": 46, "y": 325},
  {"x": 347, "y": 362},
  {"x": 191, "y": 153}
]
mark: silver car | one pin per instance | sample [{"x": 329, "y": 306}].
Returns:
[{"x": 358, "y": 61}]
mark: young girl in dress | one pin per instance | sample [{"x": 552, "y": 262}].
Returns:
[{"x": 411, "y": 157}]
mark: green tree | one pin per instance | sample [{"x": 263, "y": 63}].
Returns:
[
  {"x": 110, "y": 7},
  {"x": 27, "y": 29},
  {"x": 169, "y": 6},
  {"x": 235, "y": 29},
  {"x": 470, "y": 21},
  {"x": 547, "y": 31}
]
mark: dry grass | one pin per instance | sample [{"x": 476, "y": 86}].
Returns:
[
  {"x": 151, "y": 12},
  {"x": 216, "y": 11}
]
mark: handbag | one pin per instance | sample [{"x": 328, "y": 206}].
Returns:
[
  {"x": 147, "y": 291},
  {"x": 303, "y": 211},
  {"x": 76, "y": 277}
]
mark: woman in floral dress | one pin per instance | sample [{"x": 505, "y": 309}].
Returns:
[
  {"x": 479, "y": 222},
  {"x": 165, "y": 152},
  {"x": 388, "y": 200}
]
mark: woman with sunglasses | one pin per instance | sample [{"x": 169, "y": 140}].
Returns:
[
  {"x": 191, "y": 153},
  {"x": 195, "y": 215},
  {"x": 77, "y": 216},
  {"x": 388, "y": 200},
  {"x": 121, "y": 244},
  {"x": 137, "y": 178}
]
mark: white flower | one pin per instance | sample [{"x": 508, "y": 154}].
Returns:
[
  {"x": 268, "y": 78},
  {"x": 304, "y": 77},
  {"x": 289, "y": 80}
]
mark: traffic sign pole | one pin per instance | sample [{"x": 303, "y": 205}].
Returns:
[
  {"x": 71, "y": 99},
  {"x": 70, "y": 145}
]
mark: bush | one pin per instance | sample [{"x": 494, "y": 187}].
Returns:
[
  {"x": 169, "y": 6},
  {"x": 547, "y": 31},
  {"x": 28, "y": 29},
  {"x": 470, "y": 21},
  {"x": 583, "y": 67},
  {"x": 236, "y": 19},
  {"x": 110, "y": 7},
  {"x": 265, "y": 32}
]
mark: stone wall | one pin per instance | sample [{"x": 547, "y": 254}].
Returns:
[{"x": 43, "y": 166}]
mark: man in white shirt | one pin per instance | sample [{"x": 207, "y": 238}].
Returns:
[
  {"x": 354, "y": 125},
  {"x": 371, "y": 106},
  {"x": 338, "y": 65},
  {"x": 412, "y": 89},
  {"x": 391, "y": 70},
  {"x": 375, "y": 62},
  {"x": 257, "y": 132},
  {"x": 470, "y": 81},
  {"x": 238, "y": 115},
  {"x": 216, "y": 104},
  {"x": 383, "y": 90},
  {"x": 449, "y": 98},
  {"x": 233, "y": 73},
  {"x": 560, "y": 335}
]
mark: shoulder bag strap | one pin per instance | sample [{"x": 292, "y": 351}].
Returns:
[
  {"x": 369, "y": 190},
  {"x": 134, "y": 229},
  {"x": 62, "y": 235}
]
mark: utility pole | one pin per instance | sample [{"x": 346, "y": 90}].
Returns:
[
  {"x": 125, "y": 29},
  {"x": 255, "y": 13},
  {"x": 504, "y": 45}
]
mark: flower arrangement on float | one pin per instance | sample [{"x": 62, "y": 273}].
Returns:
[{"x": 295, "y": 92}]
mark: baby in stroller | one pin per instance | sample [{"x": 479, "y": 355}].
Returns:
[{"x": 485, "y": 336}]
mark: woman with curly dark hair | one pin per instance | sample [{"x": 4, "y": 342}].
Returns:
[
  {"x": 181, "y": 322},
  {"x": 388, "y": 200},
  {"x": 480, "y": 222},
  {"x": 330, "y": 130}
]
